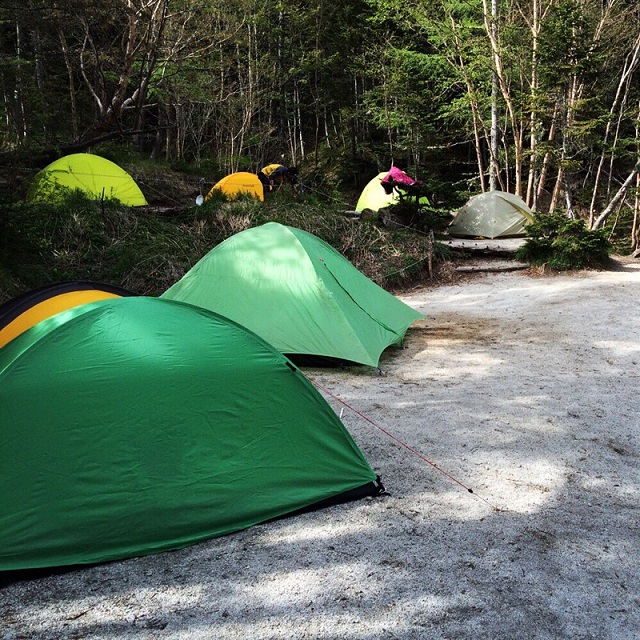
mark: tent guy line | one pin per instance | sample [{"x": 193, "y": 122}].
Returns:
[{"x": 403, "y": 444}]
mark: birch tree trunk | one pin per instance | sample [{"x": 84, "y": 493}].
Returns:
[
  {"x": 476, "y": 118},
  {"x": 617, "y": 199},
  {"x": 631, "y": 63},
  {"x": 636, "y": 202},
  {"x": 493, "y": 165},
  {"x": 494, "y": 39}
]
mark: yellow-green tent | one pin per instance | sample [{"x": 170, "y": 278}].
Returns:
[
  {"x": 374, "y": 197},
  {"x": 238, "y": 183},
  {"x": 96, "y": 176}
]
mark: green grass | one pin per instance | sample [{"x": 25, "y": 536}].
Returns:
[{"x": 147, "y": 251}]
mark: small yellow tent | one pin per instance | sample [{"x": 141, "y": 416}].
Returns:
[
  {"x": 97, "y": 177},
  {"x": 237, "y": 183},
  {"x": 25, "y": 311}
]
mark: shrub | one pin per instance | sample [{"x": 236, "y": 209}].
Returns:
[{"x": 564, "y": 244}]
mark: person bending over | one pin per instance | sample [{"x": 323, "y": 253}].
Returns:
[
  {"x": 398, "y": 178},
  {"x": 274, "y": 176}
]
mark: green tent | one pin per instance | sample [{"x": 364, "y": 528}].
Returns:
[
  {"x": 134, "y": 425},
  {"x": 95, "y": 176},
  {"x": 298, "y": 293},
  {"x": 494, "y": 214},
  {"x": 374, "y": 197}
]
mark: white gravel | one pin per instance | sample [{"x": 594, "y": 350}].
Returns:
[{"x": 523, "y": 388}]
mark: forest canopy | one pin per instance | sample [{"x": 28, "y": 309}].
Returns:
[{"x": 537, "y": 97}]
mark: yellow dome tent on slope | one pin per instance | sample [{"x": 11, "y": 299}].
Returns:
[
  {"x": 237, "y": 183},
  {"x": 25, "y": 311},
  {"x": 374, "y": 196}
]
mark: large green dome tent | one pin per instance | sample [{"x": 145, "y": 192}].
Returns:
[
  {"x": 298, "y": 293},
  {"x": 493, "y": 214},
  {"x": 135, "y": 425},
  {"x": 97, "y": 177}
]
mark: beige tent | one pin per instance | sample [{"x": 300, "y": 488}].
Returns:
[{"x": 495, "y": 214}]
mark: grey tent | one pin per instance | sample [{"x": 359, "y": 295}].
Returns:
[{"x": 495, "y": 214}]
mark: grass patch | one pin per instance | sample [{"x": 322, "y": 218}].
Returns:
[{"x": 147, "y": 251}]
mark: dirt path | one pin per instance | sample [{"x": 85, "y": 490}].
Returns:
[{"x": 526, "y": 390}]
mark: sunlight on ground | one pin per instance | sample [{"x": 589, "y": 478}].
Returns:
[
  {"x": 300, "y": 587},
  {"x": 612, "y": 347},
  {"x": 327, "y": 531},
  {"x": 529, "y": 485},
  {"x": 353, "y": 612},
  {"x": 465, "y": 366},
  {"x": 46, "y": 617}
]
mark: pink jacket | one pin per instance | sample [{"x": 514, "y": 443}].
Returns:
[{"x": 400, "y": 176}]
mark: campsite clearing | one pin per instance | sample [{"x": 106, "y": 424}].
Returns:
[{"x": 523, "y": 388}]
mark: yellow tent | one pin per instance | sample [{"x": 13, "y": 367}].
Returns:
[
  {"x": 25, "y": 311},
  {"x": 237, "y": 183},
  {"x": 97, "y": 177}
]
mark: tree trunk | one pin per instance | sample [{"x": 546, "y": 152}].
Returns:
[
  {"x": 493, "y": 168},
  {"x": 534, "y": 27},
  {"x": 546, "y": 161},
  {"x": 602, "y": 218},
  {"x": 506, "y": 95},
  {"x": 75, "y": 128},
  {"x": 631, "y": 63},
  {"x": 476, "y": 118}
]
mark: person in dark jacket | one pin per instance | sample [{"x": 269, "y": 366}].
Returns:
[{"x": 274, "y": 176}]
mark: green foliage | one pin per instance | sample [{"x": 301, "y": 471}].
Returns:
[
  {"x": 338, "y": 89},
  {"x": 566, "y": 47},
  {"x": 564, "y": 244},
  {"x": 420, "y": 216}
]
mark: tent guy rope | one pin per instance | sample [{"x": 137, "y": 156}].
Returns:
[{"x": 403, "y": 444}]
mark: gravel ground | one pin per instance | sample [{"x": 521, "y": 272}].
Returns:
[{"x": 524, "y": 389}]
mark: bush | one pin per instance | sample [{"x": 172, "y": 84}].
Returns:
[
  {"x": 421, "y": 217},
  {"x": 564, "y": 244}
]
